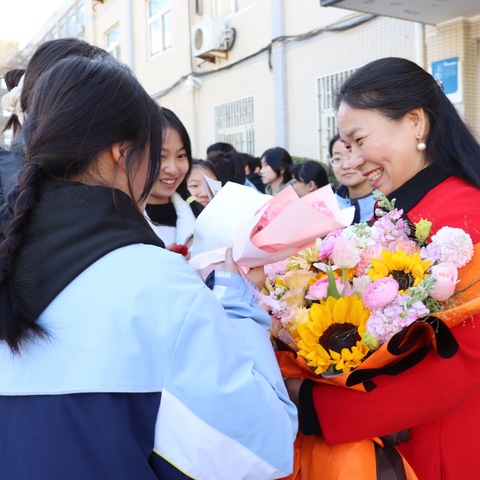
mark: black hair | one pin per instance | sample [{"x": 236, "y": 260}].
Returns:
[
  {"x": 172, "y": 121},
  {"x": 395, "y": 86},
  {"x": 220, "y": 147},
  {"x": 310, "y": 171},
  {"x": 279, "y": 159},
  {"x": 251, "y": 162},
  {"x": 332, "y": 142},
  {"x": 12, "y": 79},
  {"x": 199, "y": 163},
  {"x": 229, "y": 166},
  {"x": 79, "y": 108},
  {"x": 45, "y": 56},
  {"x": 48, "y": 54}
]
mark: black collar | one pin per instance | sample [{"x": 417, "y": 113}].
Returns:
[
  {"x": 411, "y": 192},
  {"x": 72, "y": 226}
]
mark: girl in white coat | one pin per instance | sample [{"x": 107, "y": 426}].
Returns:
[{"x": 170, "y": 209}]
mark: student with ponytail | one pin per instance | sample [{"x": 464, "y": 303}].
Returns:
[{"x": 117, "y": 361}]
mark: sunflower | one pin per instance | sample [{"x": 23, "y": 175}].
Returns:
[
  {"x": 332, "y": 338},
  {"x": 407, "y": 270}
]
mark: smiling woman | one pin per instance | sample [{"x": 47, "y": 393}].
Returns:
[
  {"x": 407, "y": 138},
  {"x": 171, "y": 217},
  {"x": 354, "y": 189}
]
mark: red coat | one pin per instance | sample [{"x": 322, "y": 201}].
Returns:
[{"x": 438, "y": 400}]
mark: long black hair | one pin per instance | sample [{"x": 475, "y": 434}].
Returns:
[
  {"x": 45, "y": 56},
  {"x": 280, "y": 162},
  {"x": 310, "y": 171},
  {"x": 79, "y": 109},
  {"x": 393, "y": 87},
  {"x": 172, "y": 121},
  {"x": 229, "y": 166}
]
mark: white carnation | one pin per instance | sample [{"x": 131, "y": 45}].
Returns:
[{"x": 455, "y": 245}]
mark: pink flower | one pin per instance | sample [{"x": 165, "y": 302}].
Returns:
[
  {"x": 384, "y": 323},
  {"x": 446, "y": 276},
  {"x": 328, "y": 243},
  {"x": 373, "y": 251},
  {"x": 380, "y": 293},
  {"x": 272, "y": 212},
  {"x": 344, "y": 253},
  {"x": 318, "y": 291},
  {"x": 320, "y": 206}
]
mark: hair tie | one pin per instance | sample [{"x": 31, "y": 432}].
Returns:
[
  {"x": 11, "y": 101},
  {"x": 440, "y": 84}
]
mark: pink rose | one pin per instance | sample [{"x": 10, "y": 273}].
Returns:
[
  {"x": 446, "y": 276},
  {"x": 380, "y": 293},
  {"x": 318, "y": 291}
]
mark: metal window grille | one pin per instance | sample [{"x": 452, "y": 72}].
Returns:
[
  {"x": 235, "y": 124},
  {"x": 327, "y": 87}
]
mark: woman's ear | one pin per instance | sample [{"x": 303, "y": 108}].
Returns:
[
  {"x": 118, "y": 154},
  {"x": 311, "y": 186},
  {"x": 420, "y": 122}
]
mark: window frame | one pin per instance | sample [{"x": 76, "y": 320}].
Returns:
[
  {"x": 229, "y": 129},
  {"x": 163, "y": 33}
]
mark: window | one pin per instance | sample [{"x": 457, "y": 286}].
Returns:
[
  {"x": 81, "y": 21},
  {"x": 223, "y": 8},
  {"x": 63, "y": 28},
  {"x": 234, "y": 124},
  {"x": 72, "y": 23},
  {"x": 159, "y": 25},
  {"x": 327, "y": 87},
  {"x": 113, "y": 41}
]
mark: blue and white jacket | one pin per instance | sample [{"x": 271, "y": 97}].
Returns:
[
  {"x": 146, "y": 374},
  {"x": 364, "y": 206}
]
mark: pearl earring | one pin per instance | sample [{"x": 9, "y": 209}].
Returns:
[{"x": 421, "y": 146}]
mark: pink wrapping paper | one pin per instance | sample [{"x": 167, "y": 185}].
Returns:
[
  {"x": 282, "y": 226},
  {"x": 297, "y": 223}
]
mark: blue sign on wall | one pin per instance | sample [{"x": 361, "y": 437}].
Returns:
[{"x": 448, "y": 72}]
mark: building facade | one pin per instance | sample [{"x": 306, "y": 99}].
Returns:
[{"x": 262, "y": 73}]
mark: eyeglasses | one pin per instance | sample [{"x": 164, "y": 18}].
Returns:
[{"x": 339, "y": 161}]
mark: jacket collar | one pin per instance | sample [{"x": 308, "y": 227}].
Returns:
[
  {"x": 412, "y": 191},
  {"x": 72, "y": 226}
]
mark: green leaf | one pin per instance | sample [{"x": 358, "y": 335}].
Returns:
[{"x": 332, "y": 290}]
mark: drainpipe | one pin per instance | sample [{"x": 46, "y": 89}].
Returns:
[{"x": 279, "y": 66}]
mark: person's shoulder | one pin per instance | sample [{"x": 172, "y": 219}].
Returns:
[
  {"x": 454, "y": 187},
  {"x": 454, "y": 202}
]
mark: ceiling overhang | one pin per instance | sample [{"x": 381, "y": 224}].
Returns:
[{"x": 430, "y": 12}]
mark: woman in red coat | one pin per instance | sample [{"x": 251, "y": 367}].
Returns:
[{"x": 407, "y": 138}]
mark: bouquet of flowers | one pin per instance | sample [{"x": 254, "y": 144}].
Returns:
[
  {"x": 365, "y": 300},
  {"x": 365, "y": 287}
]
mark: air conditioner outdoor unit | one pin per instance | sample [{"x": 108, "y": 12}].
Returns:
[{"x": 210, "y": 35}]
